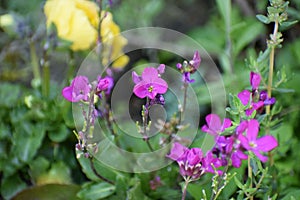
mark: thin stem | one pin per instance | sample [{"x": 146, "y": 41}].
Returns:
[
  {"x": 185, "y": 189},
  {"x": 71, "y": 63},
  {"x": 250, "y": 175},
  {"x": 46, "y": 80},
  {"x": 271, "y": 65},
  {"x": 145, "y": 124},
  {"x": 97, "y": 173},
  {"x": 34, "y": 61}
]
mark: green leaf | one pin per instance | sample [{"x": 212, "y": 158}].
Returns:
[
  {"x": 263, "y": 19},
  {"x": 286, "y": 25},
  {"x": 121, "y": 186},
  {"x": 60, "y": 134},
  {"x": 39, "y": 166},
  {"x": 136, "y": 193},
  {"x": 26, "y": 146},
  {"x": 49, "y": 192},
  {"x": 11, "y": 186},
  {"x": 92, "y": 191},
  {"x": 238, "y": 183},
  {"x": 59, "y": 173},
  {"x": 9, "y": 95}
]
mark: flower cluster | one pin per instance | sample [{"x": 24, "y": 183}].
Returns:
[
  {"x": 229, "y": 149},
  {"x": 257, "y": 100},
  {"x": 191, "y": 162},
  {"x": 188, "y": 68},
  {"x": 81, "y": 90},
  {"x": 150, "y": 84},
  {"x": 77, "y": 21}
]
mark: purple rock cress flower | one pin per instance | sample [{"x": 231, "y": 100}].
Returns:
[
  {"x": 214, "y": 126},
  {"x": 258, "y": 100},
  {"x": 189, "y": 161},
  {"x": 257, "y": 145},
  {"x": 192, "y": 163},
  {"x": 263, "y": 96},
  {"x": 195, "y": 63},
  {"x": 149, "y": 84},
  {"x": 254, "y": 80},
  {"x": 245, "y": 97},
  {"x": 105, "y": 84},
  {"x": 78, "y": 90}
]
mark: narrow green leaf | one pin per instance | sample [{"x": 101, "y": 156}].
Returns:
[
  {"x": 263, "y": 19},
  {"x": 91, "y": 190},
  {"x": 238, "y": 183}
]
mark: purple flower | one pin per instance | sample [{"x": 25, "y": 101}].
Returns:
[
  {"x": 149, "y": 84},
  {"x": 190, "y": 161},
  {"x": 105, "y": 84},
  {"x": 214, "y": 126},
  {"x": 244, "y": 96},
  {"x": 186, "y": 77},
  {"x": 255, "y": 80},
  {"x": 78, "y": 90},
  {"x": 210, "y": 162},
  {"x": 257, "y": 145},
  {"x": 195, "y": 63},
  {"x": 161, "y": 68},
  {"x": 263, "y": 96},
  {"x": 229, "y": 147}
]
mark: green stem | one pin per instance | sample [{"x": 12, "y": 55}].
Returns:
[
  {"x": 71, "y": 70},
  {"x": 250, "y": 175},
  {"x": 185, "y": 189},
  {"x": 145, "y": 125},
  {"x": 271, "y": 65},
  {"x": 34, "y": 61},
  {"x": 46, "y": 79}
]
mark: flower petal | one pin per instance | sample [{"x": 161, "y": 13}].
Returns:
[
  {"x": 260, "y": 156},
  {"x": 213, "y": 122},
  {"x": 252, "y": 131},
  {"x": 140, "y": 90},
  {"x": 149, "y": 74},
  {"x": 266, "y": 143},
  {"x": 177, "y": 151},
  {"x": 244, "y": 96},
  {"x": 226, "y": 124},
  {"x": 67, "y": 93}
]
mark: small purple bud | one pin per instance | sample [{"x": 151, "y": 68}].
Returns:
[
  {"x": 86, "y": 155},
  {"x": 195, "y": 63},
  {"x": 179, "y": 66},
  {"x": 78, "y": 147},
  {"x": 254, "y": 80},
  {"x": 161, "y": 68}
]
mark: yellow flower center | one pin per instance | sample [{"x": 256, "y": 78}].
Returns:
[{"x": 150, "y": 89}]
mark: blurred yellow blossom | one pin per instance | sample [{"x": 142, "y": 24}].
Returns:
[{"x": 77, "y": 21}]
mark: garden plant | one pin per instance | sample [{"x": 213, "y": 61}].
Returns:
[{"x": 150, "y": 99}]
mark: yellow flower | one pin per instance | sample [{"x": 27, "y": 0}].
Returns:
[
  {"x": 77, "y": 21},
  {"x": 74, "y": 20}
]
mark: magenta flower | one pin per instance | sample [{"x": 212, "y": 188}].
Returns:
[
  {"x": 105, "y": 84},
  {"x": 190, "y": 161},
  {"x": 149, "y": 84},
  {"x": 195, "y": 63},
  {"x": 78, "y": 90},
  {"x": 263, "y": 96},
  {"x": 255, "y": 80},
  {"x": 244, "y": 96},
  {"x": 257, "y": 145},
  {"x": 214, "y": 126}
]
